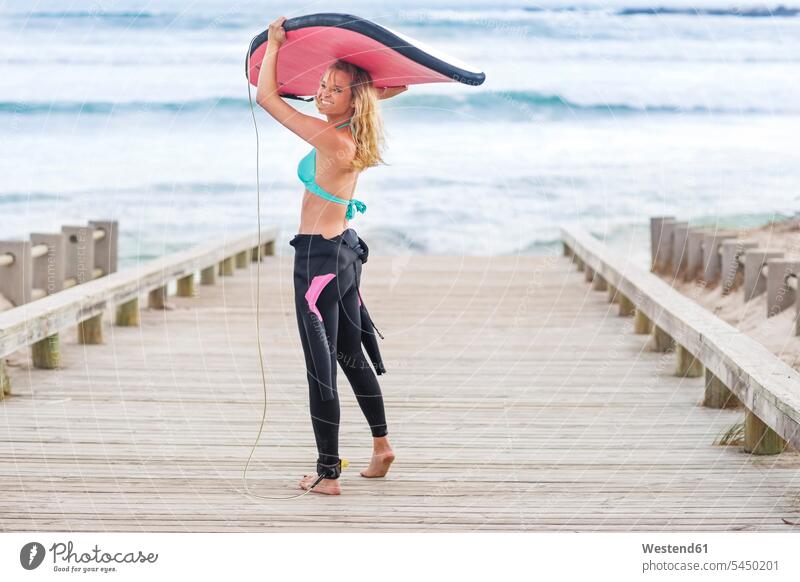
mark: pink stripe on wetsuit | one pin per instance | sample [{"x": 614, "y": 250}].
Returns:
[{"x": 315, "y": 289}]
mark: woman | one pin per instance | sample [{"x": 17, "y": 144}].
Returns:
[{"x": 331, "y": 316}]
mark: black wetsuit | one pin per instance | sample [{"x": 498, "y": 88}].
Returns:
[{"x": 333, "y": 323}]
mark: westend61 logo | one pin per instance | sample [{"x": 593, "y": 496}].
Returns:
[{"x": 32, "y": 555}]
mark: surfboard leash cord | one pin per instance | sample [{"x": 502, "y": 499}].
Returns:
[{"x": 258, "y": 303}]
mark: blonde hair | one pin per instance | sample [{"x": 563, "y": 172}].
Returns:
[{"x": 366, "y": 123}]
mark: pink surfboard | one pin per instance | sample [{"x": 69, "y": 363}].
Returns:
[{"x": 314, "y": 41}]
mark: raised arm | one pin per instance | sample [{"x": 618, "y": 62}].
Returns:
[{"x": 310, "y": 128}]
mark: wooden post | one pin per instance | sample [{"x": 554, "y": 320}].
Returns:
[
  {"x": 754, "y": 282},
  {"x": 779, "y": 295},
  {"x": 797, "y": 314},
  {"x": 641, "y": 323},
  {"x": 656, "y": 243},
  {"x": 599, "y": 283},
  {"x": 90, "y": 331},
  {"x": 255, "y": 256},
  {"x": 626, "y": 306},
  {"x": 16, "y": 280},
  {"x": 269, "y": 248},
  {"x": 48, "y": 270},
  {"x": 694, "y": 253},
  {"x": 666, "y": 260},
  {"x": 128, "y": 313},
  {"x": 241, "y": 260},
  {"x": 759, "y": 439},
  {"x": 565, "y": 249},
  {"x": 208, "y": 276},
  {"x": 687, "y": 365},
  {"x": 588, "y": 273},
  {"x": 662, "y": 341},
  {"x": 711, "y": 268},
  {"x": 5, "y": 381},
  {"x": 186, "y": 286},
  {"x": 717, "y": 394},
  {"x": 45, "y": 353},
  {"x": 226, "y": 267},
  {"x": 79, "y": 253},
  {"x": 731, "y": 269},
  {"x": 613, "y": 296},
  {"x": 157, "y": 298},
  {"x": 680, "y": 235},
  {"x": 105, "y": 249},
  {"x": 580, "y": 263}
]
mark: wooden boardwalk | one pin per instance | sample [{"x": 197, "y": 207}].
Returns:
[{"x": 516, "y": 399}]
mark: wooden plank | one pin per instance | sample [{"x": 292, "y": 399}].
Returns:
[
  {"x": 512, "y": 406},
  {"x": 765, "y": 384}
]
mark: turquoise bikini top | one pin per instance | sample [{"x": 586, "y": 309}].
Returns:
[{"x": 307, "y": 172}]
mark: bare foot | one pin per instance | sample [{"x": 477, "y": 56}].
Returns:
[
  {"x": 327, "y": 486},
  {"x": 379, "y": 465}
]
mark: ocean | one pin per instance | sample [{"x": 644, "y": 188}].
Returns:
[{"x": 597, "y": 114}]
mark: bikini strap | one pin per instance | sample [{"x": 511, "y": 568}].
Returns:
[
  {"x": 343, "y": 124},
  {"x": 354, "y": 206}
]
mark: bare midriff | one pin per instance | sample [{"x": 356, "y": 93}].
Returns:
[{"x": 320, "y": 216}]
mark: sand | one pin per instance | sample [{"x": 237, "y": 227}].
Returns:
[{"x": 775, "y": 333}]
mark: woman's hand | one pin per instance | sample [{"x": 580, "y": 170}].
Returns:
[
  {"x": 268, "y": 73},
  {"x": 276, "y": 32},
  {"x": 387, "y": 92}
]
